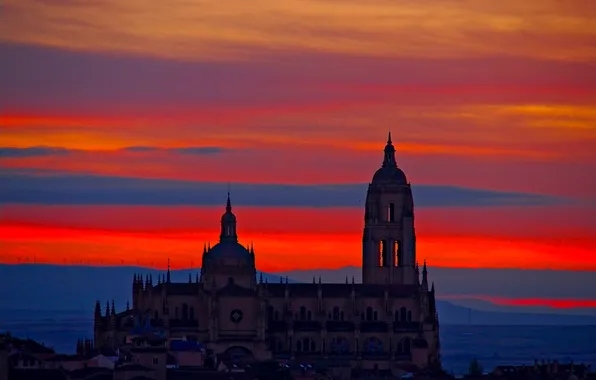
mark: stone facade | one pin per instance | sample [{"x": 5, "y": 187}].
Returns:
[{"x": 388, "y": 321}]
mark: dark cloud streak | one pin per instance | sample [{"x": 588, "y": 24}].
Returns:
[
  {"x": 10, "y": 152},
  {"x": 82, "y": 189}
]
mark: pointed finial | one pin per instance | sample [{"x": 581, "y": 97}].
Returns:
[
  {"x": 424, "y": 267},
  {"x": 286, "y": 279},
  {"x": 204, "y": 247},
  {"x": 319, "y": 279},
  {"x": 228, "y": 203},
  {"x": 168, "y": 278},
  {"x": 346, "y": 279},
  {"x": 107, "y": 308},
  {"x": 261, "y": 278},
  {"x": 197, "y": 277},
  {"x": 314, "y": 281},
  {"x": 127, "y": 306},
  {"x": 113, "y": 308},
  {"x": 281, "y": 280},
  {"x": 389, "y": 138},
  {"x": 352, "y": 279},
  {"x": 97, "y": 309},
  {"x": 189, "y": 278}
]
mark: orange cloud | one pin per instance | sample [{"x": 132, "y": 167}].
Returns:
[{"x": 213, "y": 31}]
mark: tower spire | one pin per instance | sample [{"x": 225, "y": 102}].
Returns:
[
  {"x": 389, "y": 159},
  {"x": 228, "y": 204}
]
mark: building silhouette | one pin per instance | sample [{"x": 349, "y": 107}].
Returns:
[{"x": 388, "y": 321}]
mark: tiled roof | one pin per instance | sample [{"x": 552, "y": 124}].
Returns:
[
  {"x": 85, "y": 373},
  {"x": 64, "y": 358},
  {"x": 28, "y": 345},
  {"x": 132, "y": 367}
]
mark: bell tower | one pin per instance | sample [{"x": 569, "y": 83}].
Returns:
[{"x": 389, "y": 239}]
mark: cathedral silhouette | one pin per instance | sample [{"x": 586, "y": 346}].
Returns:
[{"x": 388, "y": 321}]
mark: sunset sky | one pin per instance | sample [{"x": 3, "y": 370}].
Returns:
[{"x": 124, "y": 123}]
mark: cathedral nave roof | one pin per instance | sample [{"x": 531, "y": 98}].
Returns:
[{"x": 342, "y": 290}]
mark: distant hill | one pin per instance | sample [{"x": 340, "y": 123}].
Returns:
[
  {"x": 72, "y": 290},
  {"x": 62, "y": 287}
]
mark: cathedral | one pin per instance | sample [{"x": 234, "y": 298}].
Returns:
[{"x": 388, "y": 321}]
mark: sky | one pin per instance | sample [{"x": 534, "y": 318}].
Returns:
[{"x": 124, "y": 124}]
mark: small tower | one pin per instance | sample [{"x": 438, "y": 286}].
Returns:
[
  {"x": 228, "y": 224},
  {"x": 97, "y": 322},
  {"x": 424, "y": 277},
  {"x": 168, "y": 279}
]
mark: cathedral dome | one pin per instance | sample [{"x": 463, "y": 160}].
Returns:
[
  {"x": 228, "y": 250},
  {"x": 389, "y": 172},
  {"x": 228, "y": 217}
]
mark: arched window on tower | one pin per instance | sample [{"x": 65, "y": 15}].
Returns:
[
  {"x": 384, "y": 254},
  {"x": 396, "y": 251},
  {"x": 403, "y": 314},
  {"x": 391, "y": 213}
]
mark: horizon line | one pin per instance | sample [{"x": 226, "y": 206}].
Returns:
[{"x": 285, "y": 271}]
